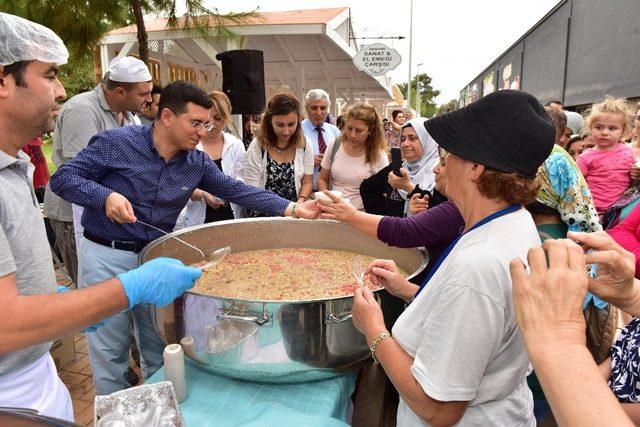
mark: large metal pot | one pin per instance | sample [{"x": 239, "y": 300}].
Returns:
[{"x": 270, "y": 341}]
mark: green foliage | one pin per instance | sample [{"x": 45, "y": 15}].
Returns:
[
  {"x": 421, "y": 84},
  {"x": 77, "y": 75},
  {"x": 197, "y": 18},
  {"x": 79, "y": 23},
  {"x": 47, "y": 148},
  {"x": 200, "y": 18},
  {"x": 448, "y": 106}
]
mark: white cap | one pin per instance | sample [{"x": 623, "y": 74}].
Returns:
[
  {"x": 23, "y": 40},
  {"x": 127, "y": 69},
  {"x": 173, "y": 351}
]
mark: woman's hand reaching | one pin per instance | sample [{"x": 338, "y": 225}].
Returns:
[
  {"x": 336, "y": 208},
  {"x": 384, "y": 272},
  {"x": 548, "y": 300},
  {"x": 212, "y": 201},
  {"x": 615, "y": 270}
]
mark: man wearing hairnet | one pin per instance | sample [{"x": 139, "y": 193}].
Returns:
[
  {"x": 125, "y": 90},
  {"x": 33, "y": 314}
]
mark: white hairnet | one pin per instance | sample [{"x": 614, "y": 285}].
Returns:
[{"x": 23, "y": 40}]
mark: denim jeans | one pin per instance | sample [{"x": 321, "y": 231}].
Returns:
[{"x": 109, "y": 345}]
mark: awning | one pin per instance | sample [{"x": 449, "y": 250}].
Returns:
[{"x": 303, "y": 50}]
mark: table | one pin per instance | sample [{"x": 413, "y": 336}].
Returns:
[{"x": 220, "y": 401}]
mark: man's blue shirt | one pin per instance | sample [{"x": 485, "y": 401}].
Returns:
[{"x": 126, "y": 161}]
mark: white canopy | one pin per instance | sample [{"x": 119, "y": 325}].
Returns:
[{"x": 303, "y": 50}]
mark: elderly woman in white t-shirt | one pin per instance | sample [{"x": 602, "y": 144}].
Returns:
[
  {"x": 456, "y": 355},
  {"x": 357, "y": 155},
  {"x": 227, "y": 152}
]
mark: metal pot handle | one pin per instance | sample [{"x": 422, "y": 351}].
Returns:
[
  {"x": 338, "y": 318},
  {"x": 255, "y": 319},
  {"x": 233, "y": 313}
]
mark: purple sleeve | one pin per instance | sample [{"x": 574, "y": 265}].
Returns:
[{"x": 436, "y": 226}]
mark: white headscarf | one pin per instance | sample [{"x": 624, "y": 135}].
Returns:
[{"x": 421, "y": 171}]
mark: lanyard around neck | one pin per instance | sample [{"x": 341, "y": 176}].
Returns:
[{"x": 495, "y": 215}]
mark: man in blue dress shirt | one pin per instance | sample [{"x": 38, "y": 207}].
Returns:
[
  {"x": 316, "y": 128},
  {"x": 146, "y": 172}
]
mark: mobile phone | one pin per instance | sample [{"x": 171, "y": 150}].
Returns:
[
  {"x": 396, "y": 161},
  {"x": 425, "y": 193}
]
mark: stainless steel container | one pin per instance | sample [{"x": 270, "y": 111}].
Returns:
[{"x": 270, "y": 341}]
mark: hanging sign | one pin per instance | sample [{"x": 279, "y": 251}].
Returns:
[{"x": 377, "y": 59}]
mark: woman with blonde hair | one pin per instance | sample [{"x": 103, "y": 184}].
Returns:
[
  {"x": 228, "y": 154},
  {"x": 357, "y": 155},
  {"x": 280, "y": 158}
]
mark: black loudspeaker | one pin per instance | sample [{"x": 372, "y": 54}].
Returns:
[{"x": 243, "y": 80}]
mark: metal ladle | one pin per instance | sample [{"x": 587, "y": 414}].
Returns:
[{"x": 208, "y": 261}]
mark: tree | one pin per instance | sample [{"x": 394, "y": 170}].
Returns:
[
  {"x": 196, "y": 18},
  {"x": 421, "y": 84},
  {"x": 448, "y": 106},
  {"x": 78, "y": 76},
  {"x": 81, "y": 23}
]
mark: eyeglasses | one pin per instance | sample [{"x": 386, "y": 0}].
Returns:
[
  {"x": 443, "y": 156},
  {"x": 197, "y": 125}
]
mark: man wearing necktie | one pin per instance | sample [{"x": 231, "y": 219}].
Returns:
[{"x": 316, "y": 128}]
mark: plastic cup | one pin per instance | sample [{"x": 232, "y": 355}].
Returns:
[{"x": 320, "y": 194}]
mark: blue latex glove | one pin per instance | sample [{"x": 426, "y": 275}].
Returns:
[
  {"x": 158, "y": 282},
  {"x": 93, "y": 328}
]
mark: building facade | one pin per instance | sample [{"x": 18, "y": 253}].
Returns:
[{"x": 579, "y": 52}]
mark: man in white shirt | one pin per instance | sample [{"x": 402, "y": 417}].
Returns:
[{"x": 315, "y": 127}]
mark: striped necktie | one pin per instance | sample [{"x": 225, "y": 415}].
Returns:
[{"x": 322, "y": 146}]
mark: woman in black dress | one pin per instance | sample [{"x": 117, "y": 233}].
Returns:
[{"x": 280, "y": 158}]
